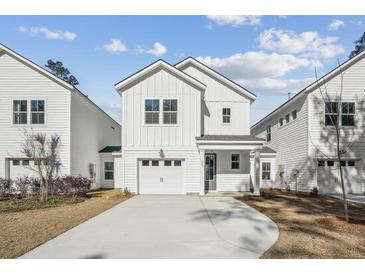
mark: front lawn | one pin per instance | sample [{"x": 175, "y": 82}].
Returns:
[
  {"x": 311, "y": 227},
  {"x": 22, "y": 229}
]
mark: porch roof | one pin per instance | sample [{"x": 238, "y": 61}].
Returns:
[{"x": 229, "y": 142}]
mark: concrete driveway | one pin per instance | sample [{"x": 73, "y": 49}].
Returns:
[{"x": 167, "y": 227}]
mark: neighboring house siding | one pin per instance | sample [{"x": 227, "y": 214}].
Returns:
[
  {"x": 322, "y": 138},
  {"x": 290, "y": 142},
  {"x": 91, "y": 131},
  {"x": 216, "y": 97},
  {"x": 18, "y": 81}
]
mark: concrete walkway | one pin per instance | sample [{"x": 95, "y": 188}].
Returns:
[
  {"x": 356, "y": 198},
  {"x": 167, "y": 227}
]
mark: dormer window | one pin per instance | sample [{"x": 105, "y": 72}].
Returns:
[{"x": 226, "y": 115}]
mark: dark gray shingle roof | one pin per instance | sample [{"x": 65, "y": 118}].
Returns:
[
  {"x": 267, "y": 150},
  {"x": 229, "y": 138},
  {"x": 110, "y": 149}
]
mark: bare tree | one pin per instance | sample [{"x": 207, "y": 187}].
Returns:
[
  {"x": 341, "y": 146},
  {"x": 45, "y": 154}
]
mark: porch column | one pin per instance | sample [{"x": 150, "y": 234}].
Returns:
[
  {"x": 7, "y": 168},
  {"x": 256, "y": 178},
  {"x": 202, "y": 183}
]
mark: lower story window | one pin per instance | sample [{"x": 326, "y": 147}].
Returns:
[
  {"x": 266, "y": 171},
  {"x": 235, "y": 161},
  {"x": 16, "y": 162},
  {"x": 108, "y": 170}
]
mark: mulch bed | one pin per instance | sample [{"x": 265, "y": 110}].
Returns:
[{"x": 311, "y": 227}]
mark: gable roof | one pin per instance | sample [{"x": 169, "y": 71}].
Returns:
[
  {"x": 158, "y": 64},
  {"x": 314, "y": 85},
  {"x": 217, "y": 75},
  {"x": 110, "y": 149},
  {"x": 49, "y": 75}
]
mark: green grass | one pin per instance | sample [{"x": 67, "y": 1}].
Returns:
[{"x": 34, "y": 203}]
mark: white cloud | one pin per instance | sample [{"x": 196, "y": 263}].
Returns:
[
  {"x": 235, "y": 20},
  {"x": 336, "y": 24},
  {"x": 257, "y": 64},
  {"x": 49, "y": 34},
  {"x": 309, "y": 44},
  {"x": 158, "y": 49},
  {"x": 115, "y": 46}
]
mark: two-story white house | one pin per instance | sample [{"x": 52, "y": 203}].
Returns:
[
  {"x": 186, "y": 130},
  {"x": 35, "y": 100},
  {"x": 302, "y": 133}
]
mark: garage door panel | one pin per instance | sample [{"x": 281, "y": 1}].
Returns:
[{"x": 164, "y": 177}]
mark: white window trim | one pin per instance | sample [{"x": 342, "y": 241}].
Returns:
[
  {"x": 225, "y": 115},
  {"x": 29, "y": 100},
  {"x": 19, "y": 112},
  {"x": 262, "y": 171},
  {"x": 339, "y": 114},
  {"x": 177, "y": 111},
  {"x": 161, "y": 124},
  {"x": 104, "y": 170},
  {"x": 30, "y": 111},
  {"x": 239, "y": 161}
]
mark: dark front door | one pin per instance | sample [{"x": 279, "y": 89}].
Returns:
[{"x": 210, "y": 172}]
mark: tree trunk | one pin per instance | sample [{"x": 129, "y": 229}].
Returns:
[{"x": 341, "y": 177}]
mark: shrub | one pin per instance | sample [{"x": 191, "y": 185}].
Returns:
[
  {"x": 6, "y": 187},
  {"x": 314, "y": 192},
  {"x": 71, "y": 185},
  {"x": 126, "y": 192}
]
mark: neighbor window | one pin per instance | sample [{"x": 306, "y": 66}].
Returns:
[
  {"x": 170, "y": 111},
  {"x": 331, "y": 113},
  {"x": 235, "y": 163},
  {"x": 348, "y": 114},
  {"x": 16, "y": 162},
  {"x": 350, "y": 163},
  {"x": 152, "y": 111},
  {"x": 294, "y": 114},
  {"x": 343, "y": 163},
  {"x": 321, "y": 163},
  {"x": 330, "y": 163},
  {"x": 108, "y": 170},
  {"x": 20, "y": 111},
  {"x": 37, "y": 112},
  {"x": 226, "y": 112},
  {"x": 25, "y": 162},
  {"x": 281, "y": 121},
  {"x": 287, "y": 118},
  {"x": 268, "y": 133},
  {"x": 266, "y": 170}
]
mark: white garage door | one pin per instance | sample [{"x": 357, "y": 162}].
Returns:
[{"x": 161, "y": 177}]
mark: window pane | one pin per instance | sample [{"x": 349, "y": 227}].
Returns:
[
  {"x": 25, "y": 162},
  {"x": 109, "y": 175},
  {"x": 343, "y": 163},
  {"x": 167, "y": 163},
  {"x": 331, "y": 120},
  {"x": 320, "y": 163},
  {"x": 350, "y": 163},
  {"x": 109, "y": 166},
  {"x": 287, "y": 118},
  {"x": 294, "y": 114},
  {"x": 152, "y": 105},
  {"x": 34, "y": 105},
  {"x": 16, "y": 162},
  {"x": 330, "y": 163},
  {"x": 173, "y": 105},
  {"x": 281, "y": 121},
  {"x": 173, "y": 118},
  {"x": 148, "y": 118},
  {"x": 348, "y": 120},
  {"x": 148, "y": 105},
  {"x": 177, "y": 163},
  {"x": 155, "y": 118},
  {"x": 145, "y": 163},
  {"x": 154, "y": 163},
  {"x": 226, "y": 119}
]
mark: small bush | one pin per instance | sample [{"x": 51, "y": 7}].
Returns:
[
  {"x": 126, "y": 192},
  {"x": 6, "y": 187},
  {"x": 71, "y": 185},
  {"x": 314, "y": 192},
  {"x": 27, "y": 186}
]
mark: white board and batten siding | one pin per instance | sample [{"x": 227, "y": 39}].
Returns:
[
  {"x": 143, "y": 141},
  {"x": 216, "y": 97},
  {"x": 20, "y": 82}
]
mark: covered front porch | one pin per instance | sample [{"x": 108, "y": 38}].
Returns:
[{"x": 226, "y": 163}]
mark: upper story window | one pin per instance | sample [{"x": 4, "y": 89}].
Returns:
[
  {"x": 345, "y": 114},
  {"x": 226, "y": 112},
  {"x": 348, "y": 114},
  {"x": 266, "y": 171},
  {"x": 294, "y": 114},
  {"x": 169, "y": 111},
  {"x": 331, "y": 113},
  {"x": 235, "y": 161},
  {"x": 20, "y": 108},
  {"x": 281, "y": 121},
  {"x": 37, "y": 112},
  {"x": 287, "y": 118},
  {"x": 268, "y": 133},
  {"x": 152, "y": 111}
]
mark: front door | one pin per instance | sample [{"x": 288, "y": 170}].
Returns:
[{"x": 210, "y": 172}]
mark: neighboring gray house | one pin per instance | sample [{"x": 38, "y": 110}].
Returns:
[
  {"x": 35, "y": 100},
  {"x": 300, "y": 132}
]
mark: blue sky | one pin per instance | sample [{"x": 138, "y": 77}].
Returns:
[{"x": 269, "y": 55}]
